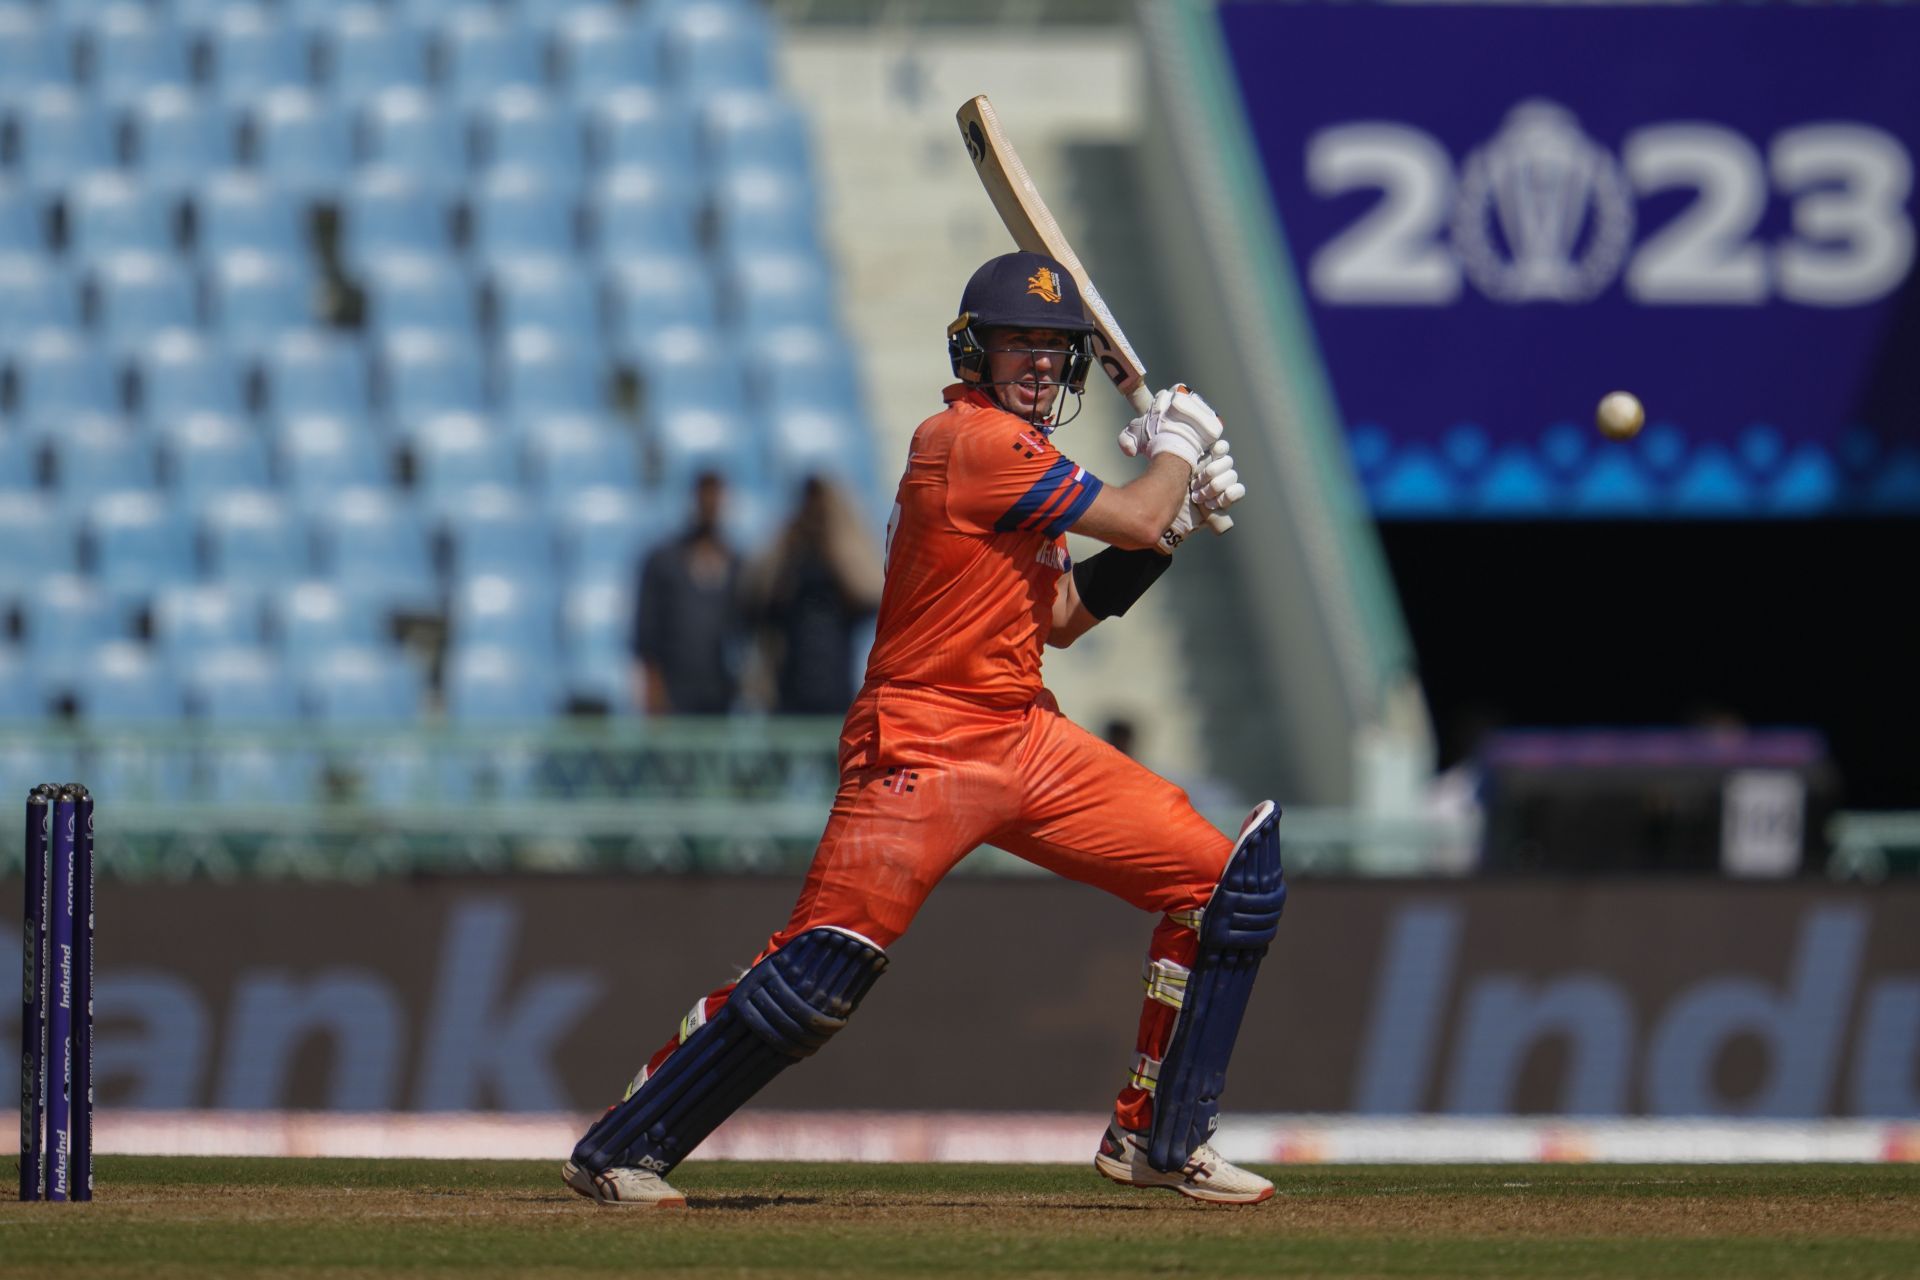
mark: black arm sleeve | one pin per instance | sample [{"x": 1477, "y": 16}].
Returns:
[{"x": 1111, "y": 581}]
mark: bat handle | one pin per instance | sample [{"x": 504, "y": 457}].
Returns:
[{"x": 1142, "y": 400}]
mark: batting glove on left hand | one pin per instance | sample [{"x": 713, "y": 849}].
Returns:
[{"x": 1180, "y": 423}]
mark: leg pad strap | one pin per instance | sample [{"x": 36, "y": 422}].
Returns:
[
  {"x": 1239, "y": 924},
  {"x": 781, "y": 1011}
]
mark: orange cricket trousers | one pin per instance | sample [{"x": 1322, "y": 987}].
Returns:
[{"x": 925, "y": 778}]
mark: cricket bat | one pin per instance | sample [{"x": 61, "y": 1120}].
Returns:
[{"x": 1033, "y": 228}]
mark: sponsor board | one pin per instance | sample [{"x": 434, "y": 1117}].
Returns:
[{"x": 1693, "y": 998}]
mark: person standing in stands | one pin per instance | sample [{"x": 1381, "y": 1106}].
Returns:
[
  {"x": 687, "y": 626},
  {"x": 811, "y": 593}
]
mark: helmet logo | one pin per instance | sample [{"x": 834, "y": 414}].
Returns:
[{"x": 1044, "y": 284}]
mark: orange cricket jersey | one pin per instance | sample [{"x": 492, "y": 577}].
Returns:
[{"x": 975, "y": 550}]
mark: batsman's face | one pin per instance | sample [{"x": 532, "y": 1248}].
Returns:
[{"x": 1025, "y": 367}]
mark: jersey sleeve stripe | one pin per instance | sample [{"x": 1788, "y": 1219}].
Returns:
[
  {"x": 1061, "y": 498},
  {"x": 1088, "y": 489},
  {"x": 1047, "y": 486}
]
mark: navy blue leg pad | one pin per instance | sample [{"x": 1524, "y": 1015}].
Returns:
[
  {"x": 783, "y": 1010},
  {"x": 1236, "y": 929}
]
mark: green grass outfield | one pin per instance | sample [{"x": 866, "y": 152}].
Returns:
[{"x": 311, "y": 1218}]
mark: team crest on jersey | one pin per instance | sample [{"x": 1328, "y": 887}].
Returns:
[
  {"x": 1029, "y": 444},
  {"x": 1054, "y": 556},
  {"x": 1044, "y": 285}
]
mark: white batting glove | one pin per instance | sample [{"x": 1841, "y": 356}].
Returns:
[
  {"x": 1216, "y": 484},
  {"x": 1180, "y": 423}
]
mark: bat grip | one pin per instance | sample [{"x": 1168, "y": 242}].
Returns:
[{"x": 1142, "y": 400}]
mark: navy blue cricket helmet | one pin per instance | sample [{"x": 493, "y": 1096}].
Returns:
[{"x": 1021, "y": 291}]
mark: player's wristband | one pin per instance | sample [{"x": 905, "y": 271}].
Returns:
[{"x": 1111, "y": 581}]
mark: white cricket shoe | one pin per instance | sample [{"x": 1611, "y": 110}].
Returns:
[
  {"x": 1206, "y": 1176},
  {"x": 625, "y": 1188}
]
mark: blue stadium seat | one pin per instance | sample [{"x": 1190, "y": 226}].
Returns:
[
  {"x": 242, "y": 685},
  {"x": 410, "y": 130},
  {"x": 139, "y": 544},
  {"x": 38, "y": 541},
  {"x": 180, "y": 372},
  {"x": 23, "y": 221},
  {"x": 778, "y": 290},
  {"x": 717, "y": 46},
  {"x": 126, "y": 684},
  {"x": 109, "y": 213},
  {"x": 387, "y": 213},
  {"x": 370, "y": 543},
  {"x": 522, "y": 128},
  {"x": 320, "y": 454},
  {"x": 596, "y": 622},
  {"x": 601, "y": 48},
  {"x": 255, "y": 51},
  {"x": 302, "y": 141},
  {"x": 544, "y": 373},
  {"x": 34, "y": 52},
  {"x": 59, "y": 135},
  {"x": 495, "y": 530},
  {"x": 313, "y": 618},
  {"x": 486, "y": 52},
  {"x": 642, "y": 212},
  {"x": 19, "y": 463},
  {"x": 21, "y": 701},
  {"x": 255, "y": 299},
  {"x": 655, "y": 295},
  {"x": 552, "y": 294},
  {"x": 130, "y": 50},
  {"x": 566, "y": 455},
  {"x": 762, "y": 211},
  {"x": 94, "y": 455},
  {"x": 363, "y": 686},
  {"x": 422, "y": 292},
  {"x": 63, "y": 620},
  {"x": 687, "y": 441},
  {"x": 803, "y": 366},
  {"x": 747, "y": 130},
  {"x": 456, "y": 452},
  {"x": 193, "y": 618},
  {"x": 240, "y": 772},
  {"x": 518, "y": 614},
  {"x": 692, "y": 369},
  {"x": 135, "y": 295},
  {"x": 178, "y": 138},
  {"x": 520, "y": 214},
  {"x": 57, "y": 376},
  {"x": 425, "y": 373},
  {"x": 240, "y": 211},
  {"x": 252, "y": 541},
  {"x": 645, "y": 129},
  {"x": 366, "y": 51},
  {"x": 805, "y": 440},
  {"x": 312, "y": 371},
  {"x": 603, "y": 531},
  {"x": 489, "y": 684},
  {"x": 34, "y": 295},
  {"x": 205, "y": 453}
]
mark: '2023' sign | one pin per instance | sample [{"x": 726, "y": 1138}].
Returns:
[{"x": 1544, "y": 213}]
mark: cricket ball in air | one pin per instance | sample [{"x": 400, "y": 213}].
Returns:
[{"x": 1620, "y": 416}]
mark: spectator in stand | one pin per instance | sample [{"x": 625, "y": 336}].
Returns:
[
  {"x": 812, "y": 591},
  {"x": 687, "y": 627}
]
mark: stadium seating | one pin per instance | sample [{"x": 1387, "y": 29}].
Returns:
[
  {"x": 181, "y": 373},
  {"x": 294, "y": 288},
  {"x": 179, "y": 138}
]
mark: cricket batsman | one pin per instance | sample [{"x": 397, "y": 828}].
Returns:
[{"x": 954, "y": 742}]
